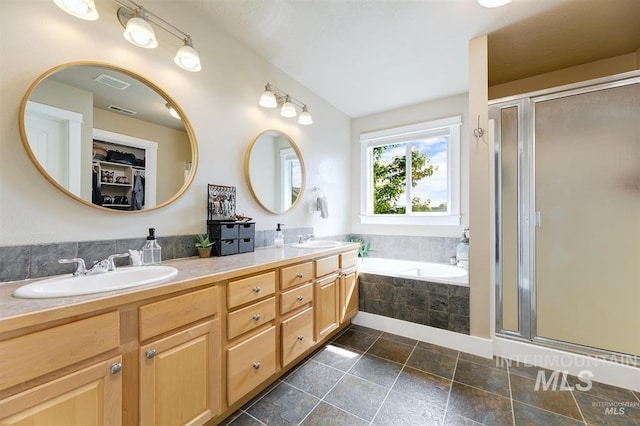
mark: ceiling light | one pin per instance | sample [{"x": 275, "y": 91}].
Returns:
[
  {"x": 273, "y": 97},
  {"x": 139, "y": 32},
  {"x": 268, "y": 99},
  {"x": 187, "y": 57},
  {"x": 288, "y": 109},
  {"x": 173, "y": 111},
  {"x": 493, "y": 3},
  {"x": 305, "y": 117},
  {"x": 83, "y": 9}
]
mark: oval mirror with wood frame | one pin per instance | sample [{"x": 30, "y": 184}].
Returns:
[
  {"x": 274, "y": 170},
  {"x": 108, "y": 137}
]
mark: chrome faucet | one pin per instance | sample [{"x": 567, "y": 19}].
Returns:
[
  {"x": 302, "y": 238},
  {"x": 106, "y": 265},
  {"x": 81, "y": 269}
]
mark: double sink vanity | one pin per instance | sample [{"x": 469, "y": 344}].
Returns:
[{"x": 191, "y": 349}]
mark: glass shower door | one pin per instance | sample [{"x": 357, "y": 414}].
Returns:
[{"x": 586, "y": 199}]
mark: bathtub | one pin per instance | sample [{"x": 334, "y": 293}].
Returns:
[
  {"x": 421, "y": 271},
  {"x": 431, "y": 294}
]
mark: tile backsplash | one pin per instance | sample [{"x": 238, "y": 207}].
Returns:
[
  {"x": 408, "y": 247},
  {"x": 41, "y": 260}
]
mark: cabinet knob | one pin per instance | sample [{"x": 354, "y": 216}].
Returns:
[
  {"x": 300, "y": 298},
  {"x": 150, "y": 353},
  {"x": 116, "y": 368},
  {"x": 256, "y": 317},
  {"x": 301, "y": 337},
  {"x": 300, "y": 275},
  {"x": 256, "y": 289},
  {"x": 256, "y": 365}
]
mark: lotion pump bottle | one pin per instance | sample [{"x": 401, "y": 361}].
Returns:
[
  {"x": 278, "y": 240},
  {"x": 151, "y": 252}
]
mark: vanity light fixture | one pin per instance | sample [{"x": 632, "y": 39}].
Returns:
[
  {"x": 493, "y": 3},
  {"x": 83, "y": 9},
  {"x": 273, "y": 97},
  {"x": 138, "y": 31}
]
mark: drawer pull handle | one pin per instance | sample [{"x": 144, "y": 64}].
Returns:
[
  {"x": 300, "y": 275},
  {"x": 116, "y": 368},
  {"x": 300, "y": 298},
  {"x": 150, "y": 354},
  {"x": 256, "y": 317},
  {"x": 256, "y": 289},
  {"x": 256, "y": 365},
  {"x": 300, "y": 337}
]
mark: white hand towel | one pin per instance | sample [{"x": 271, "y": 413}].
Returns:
[{"x": 323, "y": 206}]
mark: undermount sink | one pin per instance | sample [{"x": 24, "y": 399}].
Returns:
[
  {"x": 316, "y": 244},
  {"x": 68, "y": 285}
]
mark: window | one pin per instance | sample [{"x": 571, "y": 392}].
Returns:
[{"x": 411, "y": 174}]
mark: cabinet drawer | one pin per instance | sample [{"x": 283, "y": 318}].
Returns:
[
  {"x": 326, "y": 266},
  {"x": 252, "y": 316},
  {"x": 250, "y": 363},
  {"x": 160, "y": 317},
  {"x": 296, "y": 297},
  {"x": 297, "y": 274},
  {"x": 349, "y": 259},
  {"x": 297, "y": 335},
  {"x": 249, "y": 289},
  {"x": 35, "y": 354}
]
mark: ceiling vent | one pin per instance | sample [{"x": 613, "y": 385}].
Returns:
[
  {"x": 110, "y": 81},
  {"x": 121, "y": 110}
]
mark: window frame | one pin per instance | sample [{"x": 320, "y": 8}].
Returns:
[{"x": 403, "y": 134}]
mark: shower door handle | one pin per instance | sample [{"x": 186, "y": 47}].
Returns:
[{"x": 538, "y": 219}]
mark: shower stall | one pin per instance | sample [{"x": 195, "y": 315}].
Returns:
[{"x": 567, "y": 168}]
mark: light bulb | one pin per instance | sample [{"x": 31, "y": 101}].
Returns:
[
  {"x": 83, "y": 9},
  {"x": 493, "y": 3},
  {"x": 305, "y": 117},
  {"x": 187, "y": 57},
  {"x": 139, "y": 32},
  {"x": 268, "y": 99},
  {"x": 288, "y": 109}
]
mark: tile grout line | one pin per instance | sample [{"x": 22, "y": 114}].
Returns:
[
  {"x": 453, "y": 375},
  {"x": 513, "y": 411},
  {"x": 575, "y": 401},
  {"x": 415, "y": 345},
  {"x": 344, "y": 373}
]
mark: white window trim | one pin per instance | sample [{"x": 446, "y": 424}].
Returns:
[{"x": 400, "y": 134}]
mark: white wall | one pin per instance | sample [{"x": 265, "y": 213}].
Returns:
[
  {"x": 220, "y": 101},
  {"x": 426, "y": 111}
]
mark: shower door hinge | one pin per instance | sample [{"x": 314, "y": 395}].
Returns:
[{"x": 538, "y": 219}]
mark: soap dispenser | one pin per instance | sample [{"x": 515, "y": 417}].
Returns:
[
  {"x": 151, "y": 251},
  {"x": 462, "y": 251},
  {"x": 278, "y": 240}
]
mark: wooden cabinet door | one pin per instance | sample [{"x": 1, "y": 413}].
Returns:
[
  {"x": 91, "y": 396},
  {"x": 297, "y": 335},
  {"x": 326, "y": 306},
  {"x": 348, "y": 296},
  {"x": 179, "y": 377}
]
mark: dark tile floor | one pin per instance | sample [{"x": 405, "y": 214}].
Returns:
[{"x": 367, "y": 377}]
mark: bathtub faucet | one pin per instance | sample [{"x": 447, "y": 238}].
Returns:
[{"x": 302, "y": 238}]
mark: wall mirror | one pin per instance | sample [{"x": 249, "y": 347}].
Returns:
[
  {"x": 108, "y": 137},
  {"x": 274, "y": 171}
]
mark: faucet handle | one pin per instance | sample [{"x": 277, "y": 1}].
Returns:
[
  {"x": 111, "y": 265},
  {"x": 81, "y": 269}
]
